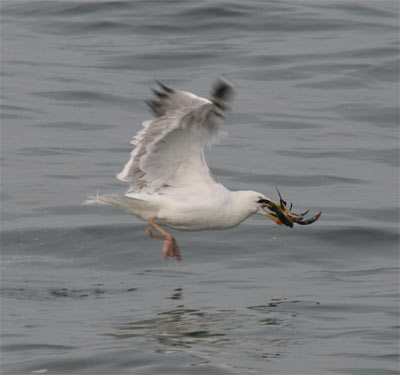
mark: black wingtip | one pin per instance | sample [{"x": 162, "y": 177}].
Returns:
[
  {"x": 154, "y": 106},
  {"x": 160, "y": 96},
  {"x": 222, "y": 90},
  {"x": 222, "y": 93},
  {"x": 165, "y": 88}
]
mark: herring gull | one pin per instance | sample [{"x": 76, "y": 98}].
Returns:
[{"x": 170, "y": 182}]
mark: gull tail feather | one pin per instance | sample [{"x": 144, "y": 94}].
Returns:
[
  {"x": 106, "y": 199},
  {"x": 128, "y": 204}
]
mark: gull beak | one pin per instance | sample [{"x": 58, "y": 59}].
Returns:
[{"x": 272, "y": 216}]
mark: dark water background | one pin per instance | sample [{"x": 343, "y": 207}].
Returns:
[{"x": 316, "y": 113}]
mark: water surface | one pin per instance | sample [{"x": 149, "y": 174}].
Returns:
[{"x": 316, "y": 114}]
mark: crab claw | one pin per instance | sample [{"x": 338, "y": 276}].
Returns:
[{"x": 308, "y": 221}]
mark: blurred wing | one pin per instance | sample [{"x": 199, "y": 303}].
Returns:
[{"x": 170, "y": 149}]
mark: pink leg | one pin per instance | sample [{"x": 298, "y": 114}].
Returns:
[
  {"x": 170, "y": 248},
  {"x": 176, "y": 251}
]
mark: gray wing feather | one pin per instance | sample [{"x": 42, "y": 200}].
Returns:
[{"x": 184, "y": 124}]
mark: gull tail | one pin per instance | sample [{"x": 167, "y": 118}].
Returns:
[
  {"x": 106, "y": 199},
  {"x": 128, "y": 204}
]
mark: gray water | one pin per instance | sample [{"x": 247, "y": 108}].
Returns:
[{"x": 84, "y": 291}]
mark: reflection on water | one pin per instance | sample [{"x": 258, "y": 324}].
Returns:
[
  {"x": 177, "y": 294},
  {"x": 200, "y": 333},
  {"x": 180, "y": 327}
]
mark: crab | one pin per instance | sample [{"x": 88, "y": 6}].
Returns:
[{"x": 282, "y": 214}]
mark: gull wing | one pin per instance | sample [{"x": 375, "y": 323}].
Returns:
[{"x": 169, "y": 149}]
